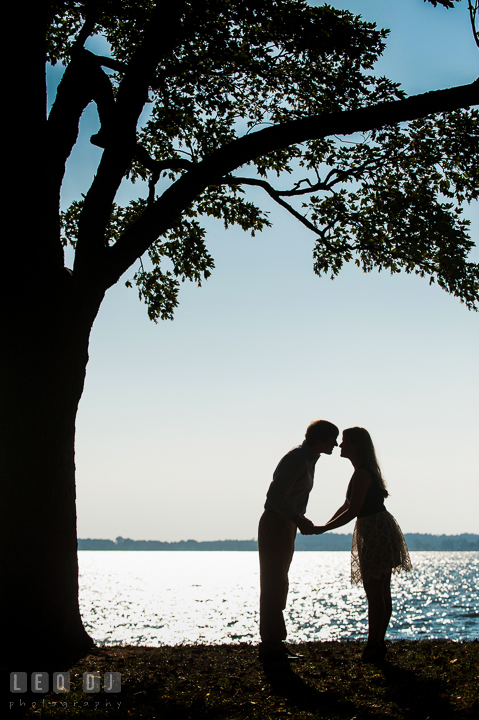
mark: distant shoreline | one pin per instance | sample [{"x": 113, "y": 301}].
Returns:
[{"x": 465, "y": 542}]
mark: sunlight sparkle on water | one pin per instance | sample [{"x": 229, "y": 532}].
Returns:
[{"x": 169, "y": 598}]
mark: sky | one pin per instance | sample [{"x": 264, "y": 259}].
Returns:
[{"x": 182, "y": 423}]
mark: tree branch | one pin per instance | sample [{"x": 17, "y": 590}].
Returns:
[
  {"x": 112, "y": 63},
  {"x": 156, "y": 167},
  {"x": 332, "y": 178},
  {"x": 83, "y": 82},
  {"x": 277, "y": 197},
  {"x": 87, "y": 28},
  {"x": 119, "y": 137},
  {"x": 275, "y": 194},
  {"x": 473, "y": 10},
  {"x": 158, "y": 218},
  {"x": 249, "y": 147}
]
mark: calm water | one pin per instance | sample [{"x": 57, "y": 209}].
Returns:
[{"x": 168, "y": 598}]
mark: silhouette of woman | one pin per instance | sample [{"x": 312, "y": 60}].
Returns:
[{"x": 378, "y": 547}]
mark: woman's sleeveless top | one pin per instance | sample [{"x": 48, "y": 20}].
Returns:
[{"x": 374, "y": 500}]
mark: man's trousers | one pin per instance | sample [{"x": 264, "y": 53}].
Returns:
[{"x": 276, "y": 537}]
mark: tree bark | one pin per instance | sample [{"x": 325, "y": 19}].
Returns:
[{"x": 43, "y": 363}]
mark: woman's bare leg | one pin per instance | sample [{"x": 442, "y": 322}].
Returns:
[{"x": 378, "y": 593}]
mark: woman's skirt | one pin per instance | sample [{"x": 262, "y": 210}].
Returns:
[{"x": 378, "y": 547}]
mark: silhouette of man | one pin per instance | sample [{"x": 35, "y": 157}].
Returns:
[{"x": 284, "y": 510}]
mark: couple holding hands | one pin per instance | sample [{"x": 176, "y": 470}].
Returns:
[{"x": 378, "y": 547}]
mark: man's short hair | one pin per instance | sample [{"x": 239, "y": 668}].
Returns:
[{"x": 320, "y": 430}]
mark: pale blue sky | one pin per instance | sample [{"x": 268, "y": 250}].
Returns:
[{"x": 182, "y": 424}]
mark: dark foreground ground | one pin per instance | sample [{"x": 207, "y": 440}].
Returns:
[{"x": 434, "y": 680}]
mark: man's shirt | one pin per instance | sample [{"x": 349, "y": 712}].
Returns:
[{"x": 292, "y": 482}]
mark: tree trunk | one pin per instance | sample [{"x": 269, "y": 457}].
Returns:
[{"x": 43, "y": 364}]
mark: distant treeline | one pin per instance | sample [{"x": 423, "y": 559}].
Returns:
[{"x": 415, "y": 541}]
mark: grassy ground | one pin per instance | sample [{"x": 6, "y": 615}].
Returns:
[{"x": 434, "y": 680}]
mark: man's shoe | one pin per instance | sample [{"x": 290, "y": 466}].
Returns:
[
  {"x": 374, "y": 653},
  {"x": 279, "y": 656},
  {"x": 279, "y": 653},
  {"x": 291, "y": 655}
]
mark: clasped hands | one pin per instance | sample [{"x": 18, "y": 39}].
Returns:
[
  {"x": 314, "y": 530},
  {"x": 306, "y": 527}
]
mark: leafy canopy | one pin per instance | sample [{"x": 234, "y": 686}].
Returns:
[{"x": 391, "y": 198}]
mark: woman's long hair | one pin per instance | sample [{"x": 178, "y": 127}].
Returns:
[{"x": 361, "y": 439}]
